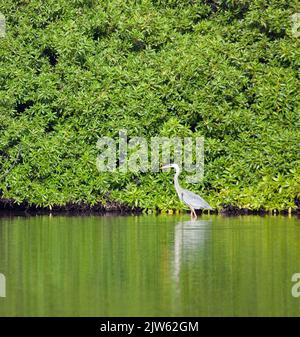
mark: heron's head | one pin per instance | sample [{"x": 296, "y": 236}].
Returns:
[{"x": 175, "y": 166}]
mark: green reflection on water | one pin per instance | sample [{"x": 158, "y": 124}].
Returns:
[{"x": 149, "y": 266}]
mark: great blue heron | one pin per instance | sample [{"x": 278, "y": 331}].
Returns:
[{"x": 193, "y": 200}]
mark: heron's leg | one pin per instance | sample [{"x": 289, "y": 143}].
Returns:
[{"x": 193, "y": 213}]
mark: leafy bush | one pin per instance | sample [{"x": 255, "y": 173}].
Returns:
[{"x": 72, "y": 71}]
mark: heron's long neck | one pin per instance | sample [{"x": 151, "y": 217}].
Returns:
[{"x": 176, "y": 182}]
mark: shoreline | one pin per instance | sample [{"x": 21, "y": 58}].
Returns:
[{"x": 11, "y": 208}]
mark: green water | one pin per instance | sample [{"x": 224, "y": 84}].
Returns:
[{"x": 149, "y": 266}]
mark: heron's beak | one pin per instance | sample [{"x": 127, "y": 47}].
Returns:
[{"x": 165, "y": 167}]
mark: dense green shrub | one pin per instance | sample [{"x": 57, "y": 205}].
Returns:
[{"x": 72, "y": 71}]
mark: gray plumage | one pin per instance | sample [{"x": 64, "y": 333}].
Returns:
[{"x": 193, "y": 199}]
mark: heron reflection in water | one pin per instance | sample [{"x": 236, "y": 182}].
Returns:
[
  {"x": 191, "y": 199},
  {"x": 189, "y": 238}
]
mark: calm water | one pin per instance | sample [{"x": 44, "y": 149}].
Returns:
[{"x": 149, "y": 266}]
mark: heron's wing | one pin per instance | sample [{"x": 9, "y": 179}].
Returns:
[{"x": 194, "y": 200}]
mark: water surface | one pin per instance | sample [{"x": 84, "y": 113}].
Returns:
[{"x": 149, "y": 266}]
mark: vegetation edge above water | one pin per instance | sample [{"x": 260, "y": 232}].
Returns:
[{"x": 8, "y": 206}]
